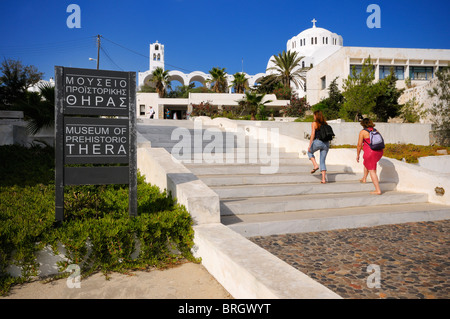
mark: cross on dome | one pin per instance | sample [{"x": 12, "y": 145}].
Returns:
[{"x": 314, "y": 22}]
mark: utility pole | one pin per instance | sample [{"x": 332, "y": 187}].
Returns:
[{"x": 98, "y": 50}]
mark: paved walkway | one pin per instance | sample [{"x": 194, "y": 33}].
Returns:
[{"x": 413, "y": 259}]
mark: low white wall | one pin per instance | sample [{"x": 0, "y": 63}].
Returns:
[
  {"x": 163, "y": 170},
  {"x": 439, "y": 164},
  {"x": 346, "y": 132},
  {"x": 16, "y": 133},
  {"x": 248, "y": 271}
]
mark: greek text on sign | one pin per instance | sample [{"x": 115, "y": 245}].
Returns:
[
  {"x": 95, "y": 140},
  {"x": 86, "y": 92}
]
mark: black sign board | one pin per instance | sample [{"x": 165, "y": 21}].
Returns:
[
  {"x": 96, "y": 140},
  {"x": 83, "y": 136},
  {"x": 93, "y": 92}
]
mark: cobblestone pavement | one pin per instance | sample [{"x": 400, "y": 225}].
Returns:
[{"x": 413, "y": 259}]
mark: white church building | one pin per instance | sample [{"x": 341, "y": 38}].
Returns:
[
  {"x": 182, "y": 107},
  {"x": 323, "y": 52}
]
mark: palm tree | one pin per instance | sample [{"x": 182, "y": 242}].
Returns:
[
  {"x": 161, "y": 80},
  {"x": 288, "y": 69},
  {"x": 39, "y": 108},
  {"x": 253, "y": 104},
  {"x": 218, "y": 77},
  {"x": 239, "y": 83}
]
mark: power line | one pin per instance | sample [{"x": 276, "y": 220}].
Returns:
[
  {"x": 109, "y": 58},
  {"x": 44, "y": 48},
  {"x": 145, "y": 56}
]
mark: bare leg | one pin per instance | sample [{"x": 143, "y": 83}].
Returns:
[
  {"x": 324, "y": 174},
  {"x": 374, "y": 177},
  {"x": 313, "y": 160},
  {"x": 364, "y": 179}
]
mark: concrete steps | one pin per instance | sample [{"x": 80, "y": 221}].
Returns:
[
  {"x": 281, "y": 204},
  {"x": 257, "y": 179},
  {"x": 249, "y": 225},
  {"x": 292, "y": 189},
  {"x": 206, "y": 169},
  {"x": 293, "y": 200},
  {"x": 289, "y": 198}
]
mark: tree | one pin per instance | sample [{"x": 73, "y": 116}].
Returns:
[
  {"x": 39, "y": 108},
  {"x": 288, "y": 69},
  {"x": 359, "y": 93},
  {"x": 161, "y": 80},
  {"x": 411, "y": 111},
  {"x": 330, "y": 106},
  {"x": 254, "y": 105},
  {"x": 219, "y": 80},
  {"x": 386, "y": 105},
  {"x": 239, "y": 83},
  {"x": 441, "y": 109},
  {"x": 15, "y": 80},
  {"x": 268, "y": 84},
  {"x": 297, "y": 107}
]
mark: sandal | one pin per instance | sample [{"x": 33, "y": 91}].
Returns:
[{"x": 314, "y": 170}]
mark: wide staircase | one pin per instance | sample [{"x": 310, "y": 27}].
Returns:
[{"x": 291, "y": 199}]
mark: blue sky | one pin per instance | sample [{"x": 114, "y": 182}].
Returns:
[{"x": 199, "y": 34}]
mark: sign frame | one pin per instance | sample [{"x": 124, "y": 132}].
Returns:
[{"x": 65, "y": 114}]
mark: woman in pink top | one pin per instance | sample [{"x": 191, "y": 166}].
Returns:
[{"x": 370, "y": 156}]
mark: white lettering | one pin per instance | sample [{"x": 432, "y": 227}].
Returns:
[
  {"x": 110, "y": 101},
  {"x": 98, "y": 99}
]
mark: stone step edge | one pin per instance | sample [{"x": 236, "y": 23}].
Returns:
[
  {"x": 282, "y": 204},
  {"x": 303, "y": 222},
  {"x": 301, "y": 189}
]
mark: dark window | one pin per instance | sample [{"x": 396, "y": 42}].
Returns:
[
  {"x": 420, "y": 72},
  {"x": 399, "y": 71},
  {"x": 323, "y": 81}
]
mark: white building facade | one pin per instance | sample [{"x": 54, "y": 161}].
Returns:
[
  {"x": 417, "y": 66},
  {"x": 171, "y": 108},
  {"x": 326, "y": 57},
  {"x": 157, "y": 60}
]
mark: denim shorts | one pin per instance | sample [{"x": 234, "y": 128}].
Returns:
[{"x": 323, "y": 147}]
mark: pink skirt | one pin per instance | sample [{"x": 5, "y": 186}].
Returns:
[{"x": 370, "y": 156}]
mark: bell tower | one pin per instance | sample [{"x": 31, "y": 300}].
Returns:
[{"x": 156, "y": 56}]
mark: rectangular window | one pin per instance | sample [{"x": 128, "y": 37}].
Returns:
[
  {"x": 323, "y": 82},
  {"x": 399, "y": 71},
  {"x": 142, "y": 109},
  {"x": 358, "y": 69},
  {"x": 420, "y": 72}
]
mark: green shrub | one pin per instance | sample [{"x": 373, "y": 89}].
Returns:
[{"x": 97, "y": 234}]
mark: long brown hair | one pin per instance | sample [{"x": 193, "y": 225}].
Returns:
[
  {"x": 319, "y": 118},
  {"x": 366, "y": 123}
]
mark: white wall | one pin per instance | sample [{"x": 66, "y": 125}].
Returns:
[
  {"x": 338, "y": 65},
  {"x": 347, "y": 132}
]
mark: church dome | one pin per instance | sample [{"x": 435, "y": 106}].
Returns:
[
  {"x": 312, "y": 39},
  {"x": 313, "y": 45}
]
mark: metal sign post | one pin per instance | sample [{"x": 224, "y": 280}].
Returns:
[{"x": 92, "y": 139}]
